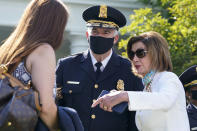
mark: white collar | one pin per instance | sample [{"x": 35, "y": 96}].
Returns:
[
  {"x": 104, "y": 62},
  {"x": 194, "y": 106}
]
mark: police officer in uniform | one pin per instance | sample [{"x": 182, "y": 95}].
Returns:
[
  {"x": 189, "y": 81},
  {"x": 82, "y": 77}
]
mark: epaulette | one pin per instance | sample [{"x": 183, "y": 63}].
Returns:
[{"x": 78, "y": 53}]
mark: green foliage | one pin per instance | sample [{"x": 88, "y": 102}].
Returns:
[{"x": 181, "y": 34}]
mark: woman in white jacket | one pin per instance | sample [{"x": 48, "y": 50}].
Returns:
[{"x": 161, "y": 106}]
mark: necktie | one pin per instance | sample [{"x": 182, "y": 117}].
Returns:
[{"x": 98, "y": 69}]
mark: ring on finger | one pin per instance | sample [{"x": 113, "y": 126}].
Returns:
[{"x": 105, "y": 107}]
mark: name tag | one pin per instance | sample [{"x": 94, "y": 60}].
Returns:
[
  {"x": 73, "y": 82},
  {"x": 194, "y": 129}
]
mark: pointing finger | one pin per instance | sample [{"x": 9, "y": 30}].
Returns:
[{"x": 98, "y": 101}]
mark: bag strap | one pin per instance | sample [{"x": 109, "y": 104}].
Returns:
[{"x": 14, "y": 82}]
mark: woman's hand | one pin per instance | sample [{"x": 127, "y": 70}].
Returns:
[{"x": 108, "y": 101}]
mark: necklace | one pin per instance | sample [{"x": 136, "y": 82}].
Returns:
[
  {"x": 147, "y": 80},
  {"x": 148, "y": 87}
]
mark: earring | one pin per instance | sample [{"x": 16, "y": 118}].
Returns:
[{"x": 189, "y": 97}]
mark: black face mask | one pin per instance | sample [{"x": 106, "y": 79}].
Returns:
[
  {"x": 100, "y": 45},
  {"x": 194, "y": 94}
]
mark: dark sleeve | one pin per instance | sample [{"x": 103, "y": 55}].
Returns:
[
  {"x": 59, "y": 82},
  {"x": 59, "y": 73},
  {"x": 132, "y": 125}
]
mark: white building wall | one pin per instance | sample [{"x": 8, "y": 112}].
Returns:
[{"x": 11, "y": 11}]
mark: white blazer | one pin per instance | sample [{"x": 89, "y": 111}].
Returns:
[{"x": 162, "y": 109}]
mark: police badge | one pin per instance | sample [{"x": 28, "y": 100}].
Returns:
[{"x": 120, "y": 85}]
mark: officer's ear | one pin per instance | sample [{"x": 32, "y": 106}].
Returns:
[
  {"x": 188, "y": 95},
  {"x": 87, "y": 35},
  {"x": 116, "y": 37}
]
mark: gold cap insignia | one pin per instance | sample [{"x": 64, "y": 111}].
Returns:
[
  {"x": 103, "y": 11},
  {"x": 120, "y": 85},
  {"x": 191, "y": 83}
]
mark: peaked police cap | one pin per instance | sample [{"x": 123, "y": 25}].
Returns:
[
  {"x": 189, "y": 77},
  {"x": 104, "y": 16}
]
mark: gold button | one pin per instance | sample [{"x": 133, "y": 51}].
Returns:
[
  {"x": 70, "y": 91},
  {"x": 94, "y": 100},
  {"x": 96, "y": 86},
  {"x": 9, "y": 123},
  {"x": 93, "y": 116},
  {"x": 2, "y": 76}
]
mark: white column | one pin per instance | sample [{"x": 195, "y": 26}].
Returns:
[{"x": 79, "y": 43}]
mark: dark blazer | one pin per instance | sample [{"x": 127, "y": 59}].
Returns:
[
  {"x": 76, "y": 76},
  {"x": 192, "y": 114},
  {"x": 68, "y": 121}
]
